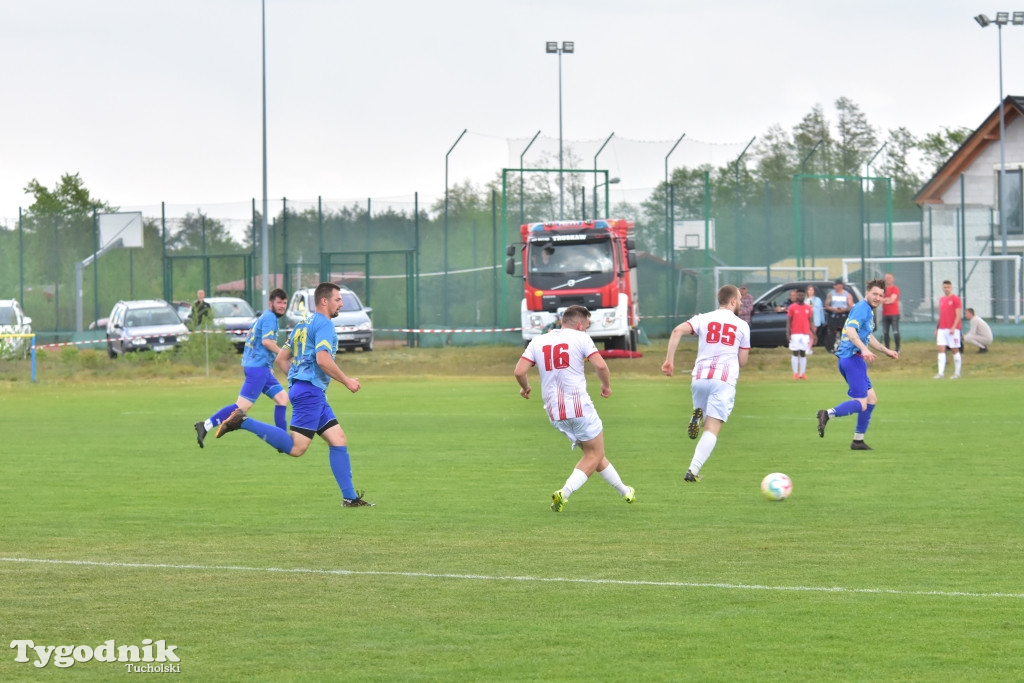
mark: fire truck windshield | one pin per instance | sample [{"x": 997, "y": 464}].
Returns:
[{"x": 587, "y": 260}]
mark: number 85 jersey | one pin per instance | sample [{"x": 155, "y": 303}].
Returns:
[
  {"x": 720, "y": 336},
  {"x": 560, "y": 356}
]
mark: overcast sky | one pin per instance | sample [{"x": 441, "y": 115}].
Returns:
[{"x": 160, "y": 100}]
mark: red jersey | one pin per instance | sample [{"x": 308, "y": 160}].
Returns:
[
  {"x": 800, "y": 318},
  {"x": 894, "y": 307},
  {"x": 948, "y": 306}
]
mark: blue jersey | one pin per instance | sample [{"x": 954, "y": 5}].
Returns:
[
  {"x": 315, "y": 332},
  {"x": 255, "y": 354},
  {"x": 861, "y": 318}
]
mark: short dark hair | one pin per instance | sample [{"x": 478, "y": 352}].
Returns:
[
  {"x": 574, "y": 314},
  {"x": 877, "y": 282},
  {"x": 278, "y": 293},
  {"x": 947, "y": 282},
  {"x": 324, "y": 291}
]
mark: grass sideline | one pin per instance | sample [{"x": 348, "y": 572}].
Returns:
[{"x": 903, "y": 563}]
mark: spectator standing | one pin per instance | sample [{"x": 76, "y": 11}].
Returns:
[
  {"x": 979, "y": 334},
  {"x": 891, "y": 312},
  {"x": 799, "y": 334},
  {"x": 947, "y": 333},
  {"x": 817, "y": 314},
  {"x": 202, "y": 314},
  {"x": 746, "y": 304}
]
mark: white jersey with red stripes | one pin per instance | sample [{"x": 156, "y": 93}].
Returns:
[
  {"x": 720, "y": 336},
  {"x": 560, "y": 356}
]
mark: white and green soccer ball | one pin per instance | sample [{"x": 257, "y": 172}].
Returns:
[{"x": 776, "y": 486}]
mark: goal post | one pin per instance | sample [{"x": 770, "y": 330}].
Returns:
[{"x": 1016, "y": 259}]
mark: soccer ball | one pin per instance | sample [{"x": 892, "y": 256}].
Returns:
[{"x": 776, "y": 486}]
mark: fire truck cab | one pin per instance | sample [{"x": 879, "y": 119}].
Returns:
[{"x": 589, "y": 263}]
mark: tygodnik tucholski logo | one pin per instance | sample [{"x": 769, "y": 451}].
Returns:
[{"x": 153, "y": 656}]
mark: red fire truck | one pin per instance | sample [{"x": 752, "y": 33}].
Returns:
[{"x": 590, "y": 263}]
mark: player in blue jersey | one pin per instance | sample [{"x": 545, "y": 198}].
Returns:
[
  {"x": 854, "y": 354},
  {"x": 257, "y": 362},
  {"x": 310, "y": 349}
]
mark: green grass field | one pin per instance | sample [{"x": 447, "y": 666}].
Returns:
[{"x": 903, "y": 563}]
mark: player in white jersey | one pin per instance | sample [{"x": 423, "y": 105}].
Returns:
[
  {"x": 722, "y": 349},
  {"x": 560, "y": 356}
]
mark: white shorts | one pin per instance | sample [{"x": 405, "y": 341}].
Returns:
[
  {"x": 714, "y": 397},
  {"x": 800, "y": 342},
  {"x": 951, "y": 340},
  {"x": 580, "y": 429}
]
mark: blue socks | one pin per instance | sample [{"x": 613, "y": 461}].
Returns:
[
  {"x": 864, "y": 418},
  {"x": 341, "y": 466},
  {"x": 222, "y": 414},
  {"x": 281, "y": 417},
  {"x": 275, "y": 436},
  {"x": 847, "y": 408}
]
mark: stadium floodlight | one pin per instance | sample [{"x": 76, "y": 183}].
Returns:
[
  {"x": 1002, "y": 18},
  {"x": 568, "y": 47}
]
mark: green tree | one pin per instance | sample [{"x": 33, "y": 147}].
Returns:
[
  {"x": 939, "y": 146},
  {"x": 857, "y": 140}
]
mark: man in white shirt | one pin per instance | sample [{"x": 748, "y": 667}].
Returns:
[
  {"x": 722, "y": 349},
  {"x": 980, "y": 333},
  {"x": 560, "y": 356}
]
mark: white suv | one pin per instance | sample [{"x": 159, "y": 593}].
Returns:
[
  {"x": 353, "y": 324},
  {"x": 13, "y": 321}
]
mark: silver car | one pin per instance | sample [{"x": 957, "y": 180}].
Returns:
[
  {"x": 353, "y": 324},
  {"x": 143, "y": 325}
]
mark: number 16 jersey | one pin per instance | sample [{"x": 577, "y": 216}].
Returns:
[
  {"x": 560, "y": 356},
  {"x": 720, "y": 336}
]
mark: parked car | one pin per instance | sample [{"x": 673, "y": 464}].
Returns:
[
  {"x": 353, "y": 324},
  {"x": 13, "y": 321},
  {"x": 143, "y": 325},
  {"x": 233, "y": 315},
  {"x": 184, "y": 309},
  {"x": 768, "y": 325}
]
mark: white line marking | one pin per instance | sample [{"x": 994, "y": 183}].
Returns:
[{"x": 538, "y": 579}]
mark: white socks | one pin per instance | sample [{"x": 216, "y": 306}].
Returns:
[
  {"x": 575, "y": 481},
  {"x": 703, "y": 451},
  {"x": 956, "y": 363},
  {"x": 803, "y": 365},
  {"x": 942, "y": 363},
  {"x": 614, "y": 480}
]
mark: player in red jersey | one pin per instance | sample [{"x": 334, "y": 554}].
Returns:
[
  {"x": 799, "y": 334},
  {"x": 947, "y": 333}
]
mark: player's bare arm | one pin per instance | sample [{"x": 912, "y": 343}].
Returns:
[
  {"x": 326, "y": 362},
  {"x": 668, "y": 366},
  {"x": 603, "y": 374},
  {"x": 283, "y": 360},
  {"x": 522, "y": 367}
]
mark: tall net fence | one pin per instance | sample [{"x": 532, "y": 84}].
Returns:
[{"x": 440, "y": 267}]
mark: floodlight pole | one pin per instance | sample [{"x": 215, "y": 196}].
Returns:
[
  {"x": 264, "y": 250},
  {"x": 552, "y": 47},
  {"x": 446, "y": 223},
  {"x": 1002, "y": 18}
]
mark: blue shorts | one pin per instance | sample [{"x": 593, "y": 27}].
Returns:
[
  {"x": 259, "y": 381},
  {"x": 855, "y": 371},
  {"x": 309, "y": 406}
]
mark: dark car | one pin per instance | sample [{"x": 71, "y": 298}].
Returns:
[
  {"x": 233, "y": 315},
  {"x": 353, "y": 324},
  {"x": 768, "y": 324}
]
